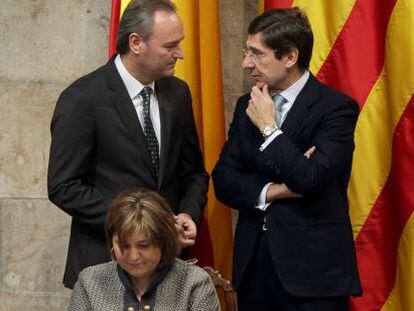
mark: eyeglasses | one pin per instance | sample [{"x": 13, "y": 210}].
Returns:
[{"x": 253, "y": 55}]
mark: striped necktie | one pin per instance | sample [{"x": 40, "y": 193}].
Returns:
[{"x": 279, "y": 100}]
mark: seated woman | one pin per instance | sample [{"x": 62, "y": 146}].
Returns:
[{"x": 146, "y": 273}]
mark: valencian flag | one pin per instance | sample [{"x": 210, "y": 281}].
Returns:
[
  {"x": 365, "y": 48},
  {"x": 201, "y": 69}
]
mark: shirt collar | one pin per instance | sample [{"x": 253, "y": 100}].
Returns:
[
  {"x": 157, "y": 278},
  {"x": 133, "y": 86},
  {"x": 293, "y": 91}
]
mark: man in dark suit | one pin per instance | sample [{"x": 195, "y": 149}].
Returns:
[
  {"x": 128, "y": 124},
  {"x": 285, "y": 167}
]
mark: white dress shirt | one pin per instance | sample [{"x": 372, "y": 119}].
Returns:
[
  {"x": 134, "y": 88},
  {"x": 290, "y": 95}
]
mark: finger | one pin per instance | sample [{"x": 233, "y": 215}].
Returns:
[
  {"x": 256, "y": 93},
  {"x": 184, "y": 242},
  {"x": 253, "y": 96},
  {"x": 190, "y": 232},
  {"x": 255, "y": 89},
  {"x": 179, "y": 228},
  {"x": 266, "y": 91},
  {"x": 189, "y": 235},
  {"x": 310, "y": 151},
  {"x": 249, "y": 111},
  {"x": 187, "y": 243}
]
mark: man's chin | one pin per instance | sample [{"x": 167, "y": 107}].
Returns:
[
  {"x": 169, "y": 72},
  {"x": 260, "y": 84},
  {"x": 258, "y": 81}
]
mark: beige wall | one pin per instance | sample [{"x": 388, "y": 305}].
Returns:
[{"x": 46, "y": 44}]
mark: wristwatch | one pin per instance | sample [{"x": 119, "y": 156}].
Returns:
[{"x": 269, "y": 129}]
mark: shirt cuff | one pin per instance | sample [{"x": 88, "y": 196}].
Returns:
[
  {"x": 270, "y": 139},
  {"x": 261, "y": 202}
]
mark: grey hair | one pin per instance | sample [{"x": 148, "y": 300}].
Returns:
[{"x": 138, "y": 17}]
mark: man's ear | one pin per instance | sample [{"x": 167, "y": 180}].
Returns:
[
  {"x": 291, "y": 58},
  {"x": 135, "y": 43}
]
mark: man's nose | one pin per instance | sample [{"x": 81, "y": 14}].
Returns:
[
  {"x": 179, "y": 53},
  {"x": 247, "y": 63}
]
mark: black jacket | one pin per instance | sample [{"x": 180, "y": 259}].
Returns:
[
  {"x": 98, "y": 149},
  {"x": 310, "y": 238}
]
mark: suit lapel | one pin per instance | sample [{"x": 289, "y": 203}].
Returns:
[
  {"x": 165, "y": 120},
  {"x": 300, "y": 109},
  {"x": 128, "y": 114}
]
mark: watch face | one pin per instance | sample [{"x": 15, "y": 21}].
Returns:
[{"x": 268, "y": 130}]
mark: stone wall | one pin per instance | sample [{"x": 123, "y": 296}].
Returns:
[{"x": 45, "y": 45}]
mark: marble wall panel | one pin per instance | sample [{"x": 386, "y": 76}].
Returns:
[
  {"x": 46, "y": 40},
  {"x": 33, "y": 244},
  {"x": 25, "y": 113}
]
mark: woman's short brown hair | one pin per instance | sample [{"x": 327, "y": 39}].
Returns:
[{"x": 139, "y": 210}]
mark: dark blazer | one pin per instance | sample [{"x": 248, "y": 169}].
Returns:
[
  {"x": 98, "y": 149},
  {"x": 310, "y": 238}
]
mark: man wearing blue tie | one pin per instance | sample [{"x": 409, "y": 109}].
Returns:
[{"x": 286, "y": 167}]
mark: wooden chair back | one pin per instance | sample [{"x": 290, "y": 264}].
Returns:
[{"x": 224, "y": 289}]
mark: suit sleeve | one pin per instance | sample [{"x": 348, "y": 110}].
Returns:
[
  {"x": 234, "y": 185},
  {"x": 192, "y": 176},
  {"x": 71, "y": 152},
  {"x": 334, "y": 141}
]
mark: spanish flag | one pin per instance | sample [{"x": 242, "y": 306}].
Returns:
[
  {"x": 365, "y": 48},
  {"x": 201, "y": 69}
]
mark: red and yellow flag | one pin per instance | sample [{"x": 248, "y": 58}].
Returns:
[
  {"x": 366, "y": 49},
  {"x": 201, "y": 69}
]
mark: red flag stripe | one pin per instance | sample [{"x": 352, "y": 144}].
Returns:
[
  {"x": 203, "y": 249},
  {"x": 113, "y": 30},
  {"x": 377, "y": 242},
  {"x": 274, "y": 4},
  {"x": 357, "y": 57}
]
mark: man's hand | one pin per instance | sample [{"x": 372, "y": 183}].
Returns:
[
  {"x": 310, "y": 152},
  {"x": 261, "y": 110},
  {"x": 280, "y": 191},
  {"x": 186, "y": 229}
]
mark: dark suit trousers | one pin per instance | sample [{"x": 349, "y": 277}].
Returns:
[{"x": 261, "y": 290}]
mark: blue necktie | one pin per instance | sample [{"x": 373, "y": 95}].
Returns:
[
  {"x": 279, "y": 100},
  {"x": 150, "y": 137}
]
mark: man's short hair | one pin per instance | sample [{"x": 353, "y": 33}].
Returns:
[
  {"x": 138, "y": 17},
  {"x": 142, "y": 211},
  {"x": 283, "y": 30}
]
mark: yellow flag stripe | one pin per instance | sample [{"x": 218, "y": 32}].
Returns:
[
  {"x": 189, "y": 68},
  {"x": 211, "y": 83},
  {"x": 328, "y": 18},
  {"x": 260, "y": 6},
  {"x": 213, "y": 128},
  {"x": 124, "y": 4},
  {"x": 380, "y": 114},
  {"x": 401, "y": 297},
  {"x": 201, "y": 69}
]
